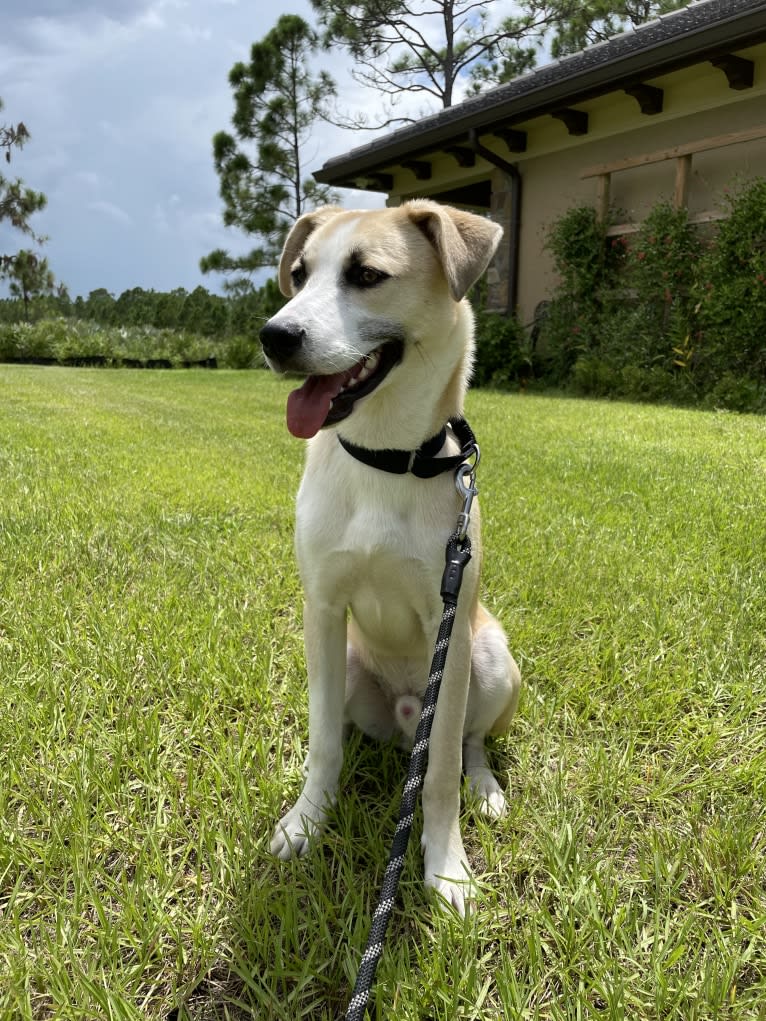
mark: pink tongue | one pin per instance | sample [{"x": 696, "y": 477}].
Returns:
[{"x": 308, "y": 407}]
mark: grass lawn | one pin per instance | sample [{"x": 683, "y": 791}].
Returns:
[{"x": 153, "y": 719}]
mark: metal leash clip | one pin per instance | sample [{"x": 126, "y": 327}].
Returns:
[{"x": 465, "y": 482}]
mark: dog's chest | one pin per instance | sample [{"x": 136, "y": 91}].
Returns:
[
  {"x": 377, "y": 548},
  {"x": 369, "y": 547}
]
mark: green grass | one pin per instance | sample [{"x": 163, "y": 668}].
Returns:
[{"x": 153, "y": 720}]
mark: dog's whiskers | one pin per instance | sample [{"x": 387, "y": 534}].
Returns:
[{"x": 339, "y": 363}]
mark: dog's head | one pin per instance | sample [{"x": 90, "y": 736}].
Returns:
[{"x": 366, "y": 287}]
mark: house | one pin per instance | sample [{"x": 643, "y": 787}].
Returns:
[{"x": 674, "y": 109}]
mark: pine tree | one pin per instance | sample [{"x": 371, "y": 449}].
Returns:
[
  {"x": 17, "y": 203},
  {"x": 261, "y": 165},
  {"x": 577, "y": 25},
  {"x": 28, "y": 274},
  {"x": 433, "y": 47},
  {"x": 426, "y": 46}
]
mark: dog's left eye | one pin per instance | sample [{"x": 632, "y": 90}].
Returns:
[
  {"x": 365, "y": 276},
  {"x": 298, "y": 275}
]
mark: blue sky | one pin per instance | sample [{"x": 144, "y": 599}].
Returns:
[{"x": 122, "y": 98}]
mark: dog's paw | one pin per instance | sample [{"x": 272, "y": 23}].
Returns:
[
  {"x": 493, "y": 804},
  {"x": 449, "y": 876},
  {"x": 454, "y": 895},
  {"x": 489, "y": 793},
  {"x": 296, "y": 831}
]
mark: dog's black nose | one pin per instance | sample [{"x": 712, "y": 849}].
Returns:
[{"x": 279, "y": 342}]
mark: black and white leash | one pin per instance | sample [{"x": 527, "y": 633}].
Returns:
[{"x": 457, "y": 555}]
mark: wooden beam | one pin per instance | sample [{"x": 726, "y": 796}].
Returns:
[
  {"x": 689, "y": 149},
  {"x": 576, "y": 121},
  {"x": 648, "y": 97},
  {"x": 420, "y": 168},
  {"x": 465, "y": 157},
  {"x": 683, "y": 173},
  {"x": 618, "y": 229},
  {"x": 516, "y": 141},
  {"x": 740, "y": 73},
  {"x": 602, "y": 198}
]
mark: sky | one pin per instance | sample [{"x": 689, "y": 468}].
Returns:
[{"x": 121, "y": 99}]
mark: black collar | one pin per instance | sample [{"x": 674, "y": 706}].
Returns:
[{"x": 422, "y": 463}]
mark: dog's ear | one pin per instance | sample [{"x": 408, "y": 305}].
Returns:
[
  {"x": 296, "y": 239},
  {"x": 464, "y": 242}
]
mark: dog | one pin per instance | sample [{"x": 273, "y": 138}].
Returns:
[{"x": 378, "y": 324}]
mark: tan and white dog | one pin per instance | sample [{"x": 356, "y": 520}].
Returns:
[{"x": 378, "y": 326}]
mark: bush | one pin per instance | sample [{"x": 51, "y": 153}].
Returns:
[
  {"x": 566, "y": 331},
  {"x": 731, "y": 293},
  {"x": 588, "y": 266},
  {"x": 24, "y": 342},
  {"x": 71, "y": 341},
  {"x": 737, "y": 393},
  {"x": 594, "y": 377},
  {"x": 503, "y": 351},
  {"x": 660, "y": 269},
  {"x": 583, "y": 259},
  {"x": 659, "y": 315},
  {"x": 242, "y": 352}
]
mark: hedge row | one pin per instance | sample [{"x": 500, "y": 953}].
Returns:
[{"x": 73, "y": 342}]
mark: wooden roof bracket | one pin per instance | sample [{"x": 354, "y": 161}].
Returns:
[
  {"x": 515, "y": 140},
  {"x": 575, "y": 121},
  {"x": 420, "y": 168},
  {"x": 648, "y": 97},
  {"x": 740, "y": 73},
  {"x": 465, "y": 157}
]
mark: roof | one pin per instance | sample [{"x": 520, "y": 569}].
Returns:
[{"x": 701, "y": 31}]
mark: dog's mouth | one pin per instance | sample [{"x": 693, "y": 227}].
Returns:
[{"x": 325, "y": 400}]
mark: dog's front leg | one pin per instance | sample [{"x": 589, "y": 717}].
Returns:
[
  {"x": 325, "y": 640},
  {"x": 446, "y": 865}
]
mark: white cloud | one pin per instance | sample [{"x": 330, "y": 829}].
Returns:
[{"x": 110, "y": 210}]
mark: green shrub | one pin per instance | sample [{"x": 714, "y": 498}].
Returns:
[
  {"x": 663, "y": 256},
  {"x": 593, "y": 377},
  {"x": 8, "y": 342},
  {"x": 503, "y": 351},
  {"x": 242, "y": 352},
  {"x": 660, "y": 269},
  {"x": 588, "y": 266},
  {"x": 26, "y": 342},
  {"x": 567, "y": 330},
  {"x": 583, "y": 259},
  {"x": 659, "y": 315},
  {"x": 737, "y": 393},
  {"x": 731, "y": 292},
  {"x": 70, "y": 341}
]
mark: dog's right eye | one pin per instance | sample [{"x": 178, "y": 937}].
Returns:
[
  {"x": 365, "y": 276},
  {"x": 298, "y": 276}
]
